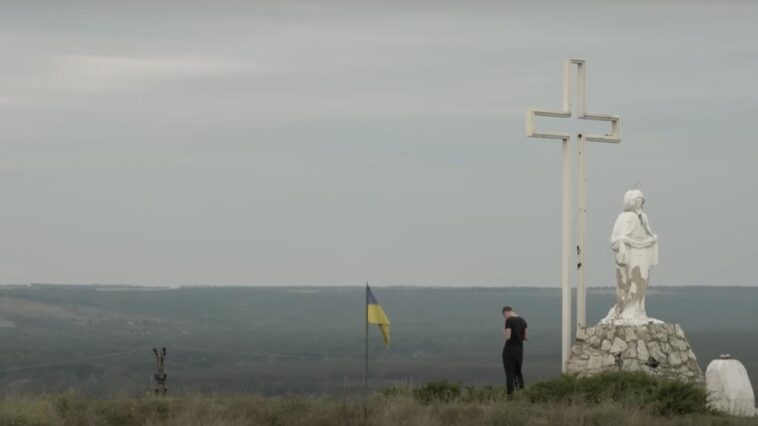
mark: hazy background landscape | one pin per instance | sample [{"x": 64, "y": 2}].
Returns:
[{"x": 294, "y": 340}]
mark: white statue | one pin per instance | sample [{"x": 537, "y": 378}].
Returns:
[{"x": 636, "y": 250}]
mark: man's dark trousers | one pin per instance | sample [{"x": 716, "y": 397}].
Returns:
[{"x": 513, "y": 356}]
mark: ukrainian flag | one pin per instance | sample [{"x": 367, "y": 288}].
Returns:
[{"x": 375, "y": 315}]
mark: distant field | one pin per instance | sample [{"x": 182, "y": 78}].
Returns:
[{"x": 310, "y": 340}]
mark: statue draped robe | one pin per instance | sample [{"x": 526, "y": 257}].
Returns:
[{"x": 636, "y": 251}]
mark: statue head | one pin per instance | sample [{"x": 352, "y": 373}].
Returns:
[{"x": 634, "y": 199}]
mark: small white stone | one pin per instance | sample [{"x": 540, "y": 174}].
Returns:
[{"x": 729, "y": 388}]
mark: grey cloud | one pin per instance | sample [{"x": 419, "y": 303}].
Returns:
[{"x": 335, "y": 142}]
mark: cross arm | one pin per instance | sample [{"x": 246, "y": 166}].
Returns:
[
  {"x": 613, "y": 137},
  {"x": 530, "y": 128}
]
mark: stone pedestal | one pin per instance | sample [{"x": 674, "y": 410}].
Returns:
[{"x": 658, "y": 349}]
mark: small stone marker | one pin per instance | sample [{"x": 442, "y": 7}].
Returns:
[{"x": 729, "y": 388}]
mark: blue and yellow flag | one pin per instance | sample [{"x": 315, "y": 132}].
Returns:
[{"x": 375, "y": 315}]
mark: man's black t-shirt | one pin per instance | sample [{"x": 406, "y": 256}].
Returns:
[{"x": 518, "y": 331}]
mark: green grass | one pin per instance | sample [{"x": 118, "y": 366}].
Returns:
[
  {"x": 607, "y": 399},
  {"x": 663, "y": 397}
]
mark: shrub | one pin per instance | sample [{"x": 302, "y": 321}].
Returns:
[
  {"x": 69, "y": 402},
  {"x": 439, "y": 391},
  {"x": 394, "y": 392},
  {"x": 484, "y": 394},
  {"x": 562, "y": 389},
  {"x": 676, "y": 397},
  {"x": 633, "y": 388},
  {"x": 661, "y": 396},
  {"x": 24, "y": 417},
  {"x": 72, "y": 408},
  {"x": 121, "y": 412}
]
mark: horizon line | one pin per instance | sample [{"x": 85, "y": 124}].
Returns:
[{"x": 337, "y": 286}]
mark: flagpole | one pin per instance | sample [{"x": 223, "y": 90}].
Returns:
[{"x": 365, "y": 372}]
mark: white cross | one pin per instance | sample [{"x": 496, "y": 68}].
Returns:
[{"x": 614, "y": 137}]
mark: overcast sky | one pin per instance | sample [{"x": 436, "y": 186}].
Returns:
[{"x": 331, "y": 143}]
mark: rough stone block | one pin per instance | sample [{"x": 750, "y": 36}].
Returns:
[
  {"x": 643, "y": 333},
  {"x": 654, "y": 349},
  {"x": 630, "y": 334},
  {"x": 674, "y": 359},
  {"x": 680, "y": 344},
  {"x": 581, "y": 334},
  {"x": 631, "y": 352},
  {"x": 619, "y": 345},
  {"x": 606, "y": 345},
  {"x": 642, "y": 352},
  {"x": 679, "y": 332},
  {"x": 609, "y": 361},
  {"x": 594, "y": 363}
]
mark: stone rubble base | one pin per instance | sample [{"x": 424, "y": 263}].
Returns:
[{"x": 660, "y": 350}]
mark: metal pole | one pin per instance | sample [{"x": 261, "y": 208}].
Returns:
[
  {"x": 566, "y": 227},
  {"x": 567, "y": 86},
  {"x": 365, "y": 371},
  {"x": 581, "y": 265},
  {"x": 565, "y": 254},
  {"x": 581, "y": 292}
]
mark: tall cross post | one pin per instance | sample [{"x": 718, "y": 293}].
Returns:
[{"x": 582, "y": 139}]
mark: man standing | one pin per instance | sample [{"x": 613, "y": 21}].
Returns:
[{"x": 513, "y": 351}]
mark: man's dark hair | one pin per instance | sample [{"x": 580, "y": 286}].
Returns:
[{"x": 507, "y": 309}]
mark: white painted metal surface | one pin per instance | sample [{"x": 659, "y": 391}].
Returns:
[
  {"x": 581, "y": 236},
  {"x": 565, "y": 256},
  {"x": 613, "y": 137}
]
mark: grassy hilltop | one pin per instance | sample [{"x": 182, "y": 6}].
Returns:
[{"x": 610, "y": 399}]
